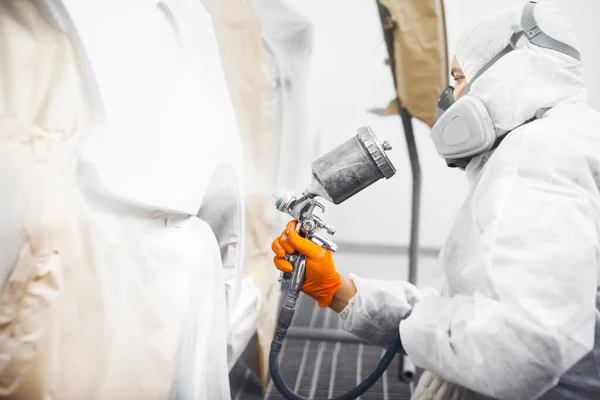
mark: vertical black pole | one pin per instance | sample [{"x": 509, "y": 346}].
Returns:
[{"x": 413, "y": 250}]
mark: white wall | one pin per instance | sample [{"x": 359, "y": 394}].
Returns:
[{"x": 348, "y": 77}]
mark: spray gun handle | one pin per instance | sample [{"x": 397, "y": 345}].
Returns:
[{"x": 295, "y": 278}]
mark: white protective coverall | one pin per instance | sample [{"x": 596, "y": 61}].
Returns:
[{"x": 518, "y": 317}]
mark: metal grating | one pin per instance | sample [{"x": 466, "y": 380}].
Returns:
[{"x": 321, "y": 370}]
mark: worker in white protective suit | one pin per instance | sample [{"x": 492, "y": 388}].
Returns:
[{"x": 518, "y": 317}]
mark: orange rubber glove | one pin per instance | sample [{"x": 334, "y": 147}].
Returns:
[{"x": 321, "y": 278}]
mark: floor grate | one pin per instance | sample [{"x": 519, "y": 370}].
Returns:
[{"x": 320, "y": 370}]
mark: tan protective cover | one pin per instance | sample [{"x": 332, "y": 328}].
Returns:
[
  {"x": 257, "y": 104},
  {"x": 37, "y": 139},
  {"x": 421, "y": 55}
]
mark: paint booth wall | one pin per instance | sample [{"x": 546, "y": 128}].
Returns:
[{"x": 348, "y": 77}]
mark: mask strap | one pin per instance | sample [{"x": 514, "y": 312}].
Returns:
[{"x": 539, "y": 38}]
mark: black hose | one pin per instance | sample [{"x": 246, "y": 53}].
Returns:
[
  {"x": 365, "y": 385},
  {"x": 284, "y": 321}
]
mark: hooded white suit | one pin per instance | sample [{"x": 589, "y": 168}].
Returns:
[{"x": 519, "y": 311}]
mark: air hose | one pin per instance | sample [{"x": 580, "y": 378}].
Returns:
[{"x": 285, "y": 319}]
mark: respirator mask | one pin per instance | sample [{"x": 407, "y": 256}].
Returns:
[{"x": 464, "y": 128}]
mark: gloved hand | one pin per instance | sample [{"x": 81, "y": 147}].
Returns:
[{"x": 321, "y": 280}]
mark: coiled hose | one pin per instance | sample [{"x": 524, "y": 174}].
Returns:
[{"x": 285, "y": 320}]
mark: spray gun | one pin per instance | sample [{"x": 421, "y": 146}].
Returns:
[
  {"x": 336, "y": 176},
  {"x": 309, "y": 226}
]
